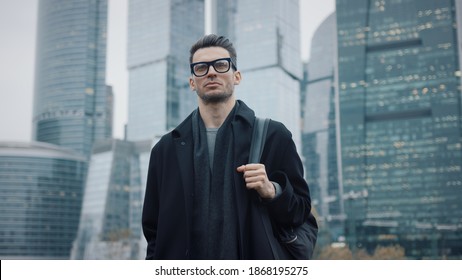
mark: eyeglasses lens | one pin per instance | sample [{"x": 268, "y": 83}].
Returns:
[{"x": 220, "y": 66}]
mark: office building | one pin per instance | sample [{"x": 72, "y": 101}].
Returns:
[
  {"x": 109, "y": 112},
  {"x": 267, "y": 39},
  {"x": 40, "y": 200},
  {"x": 223, "y": 18},
  {"x": 319, "y": 130},
  {"x": 400, "y": 125},
  {"x": 160, "y": 34},
  {"x": 110, "y": 223},
  {"x": 70, "y": 102}
]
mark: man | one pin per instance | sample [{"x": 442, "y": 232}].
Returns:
[{"x": 203, "y": 201}]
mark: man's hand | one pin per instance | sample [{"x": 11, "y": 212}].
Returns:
[{"x": 255, "y": 178}]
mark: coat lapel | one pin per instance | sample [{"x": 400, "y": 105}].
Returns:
[
  {"x": 183, "y": 143},
  {"x": 242, "y": 131}
]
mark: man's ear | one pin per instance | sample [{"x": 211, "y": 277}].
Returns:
[
  {"x": 237, "y": 77},
  {"x": 192, "y": 85}
]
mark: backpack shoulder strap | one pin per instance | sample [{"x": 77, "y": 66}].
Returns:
[{"x": 260, "y": 129}]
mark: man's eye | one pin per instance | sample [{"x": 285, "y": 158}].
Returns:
[
  {"x": 221, "y": 65},
  {"x": 201, "y": 67}
]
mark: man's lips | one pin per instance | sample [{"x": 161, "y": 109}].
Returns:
[{"x": 212, "y": 84}]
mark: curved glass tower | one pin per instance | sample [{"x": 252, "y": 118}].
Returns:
[
  {"x": 319, "y": 129},
  {"x": 70, "y": 106},
  {"x": 40, "y": 199}
]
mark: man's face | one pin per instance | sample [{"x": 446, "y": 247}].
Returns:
[{"x": 214, "y": 87}]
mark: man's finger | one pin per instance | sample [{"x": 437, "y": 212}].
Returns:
[
  {"x": 241, "y": 168},
  {"x": 252, "y": 166}
]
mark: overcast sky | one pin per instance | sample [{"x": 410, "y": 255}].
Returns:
[{"x": 18, "y": 20}]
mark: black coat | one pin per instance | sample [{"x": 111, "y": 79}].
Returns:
[{"x": 168, "y": 200}]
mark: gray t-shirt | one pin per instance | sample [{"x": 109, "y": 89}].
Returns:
[{"x": 211, "y": 137}]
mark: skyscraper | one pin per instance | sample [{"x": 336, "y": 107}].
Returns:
[
  {"x": 160, "y": 34},
  {"x": 41, "y": 189},
  {"x": 110, "y": 224},
  {"x": 400, "y": 124},
  {"x": 319, "y": 130},
  {"x": 70, "y": 103},
  {"x": 109, "y": 113},
  {"x": 267, "y": 39},
  {"x": 223, "y": 18}
]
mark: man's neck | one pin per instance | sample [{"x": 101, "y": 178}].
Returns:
[{"x": 214, "y": 115}]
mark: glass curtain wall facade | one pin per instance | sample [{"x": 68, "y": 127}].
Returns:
[
  {"x": 138, "y": 176},
  {"x": 160, "y": 34},
  {"x": 109, "y": 112},
  {"x": 319, "y": 130},
  {"x": 223, "y": 17},
  {"x": 70, "y": 102},
  {"x": 268, "y": 46},
  {"x": 110, "y": 223},
  {"x": 400, "y": 124},
  {"x": 40, "y": 200}
]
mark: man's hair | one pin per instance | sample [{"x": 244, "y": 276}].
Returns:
[{"x": 213, "y": 40}]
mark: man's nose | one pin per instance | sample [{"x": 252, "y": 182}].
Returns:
[{"x": 211, "y": 71}]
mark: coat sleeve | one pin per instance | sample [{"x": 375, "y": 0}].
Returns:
[
  {"x": 293, "y": 206},
  {"x": 151, "y": 206}
]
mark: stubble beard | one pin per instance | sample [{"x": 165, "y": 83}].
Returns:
[{"x": 215, "y": 98}]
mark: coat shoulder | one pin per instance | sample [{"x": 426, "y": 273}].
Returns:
[
  {"x": 183, "y": 130},
  {"x": 278, "y": 129}
]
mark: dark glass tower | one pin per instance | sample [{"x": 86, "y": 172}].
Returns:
[
  {"x": 400, "y": 125},
  {"x": 70, "y": 104}
]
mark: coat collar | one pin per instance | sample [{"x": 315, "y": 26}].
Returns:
[{"x": 243, "y": 112}]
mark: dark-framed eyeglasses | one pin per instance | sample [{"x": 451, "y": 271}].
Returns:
[{"x": 221, "y": 65}]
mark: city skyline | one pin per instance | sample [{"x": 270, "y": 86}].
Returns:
[
  {"x": 18, "y": 25},
  {"x": 381, "y": 99}
]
